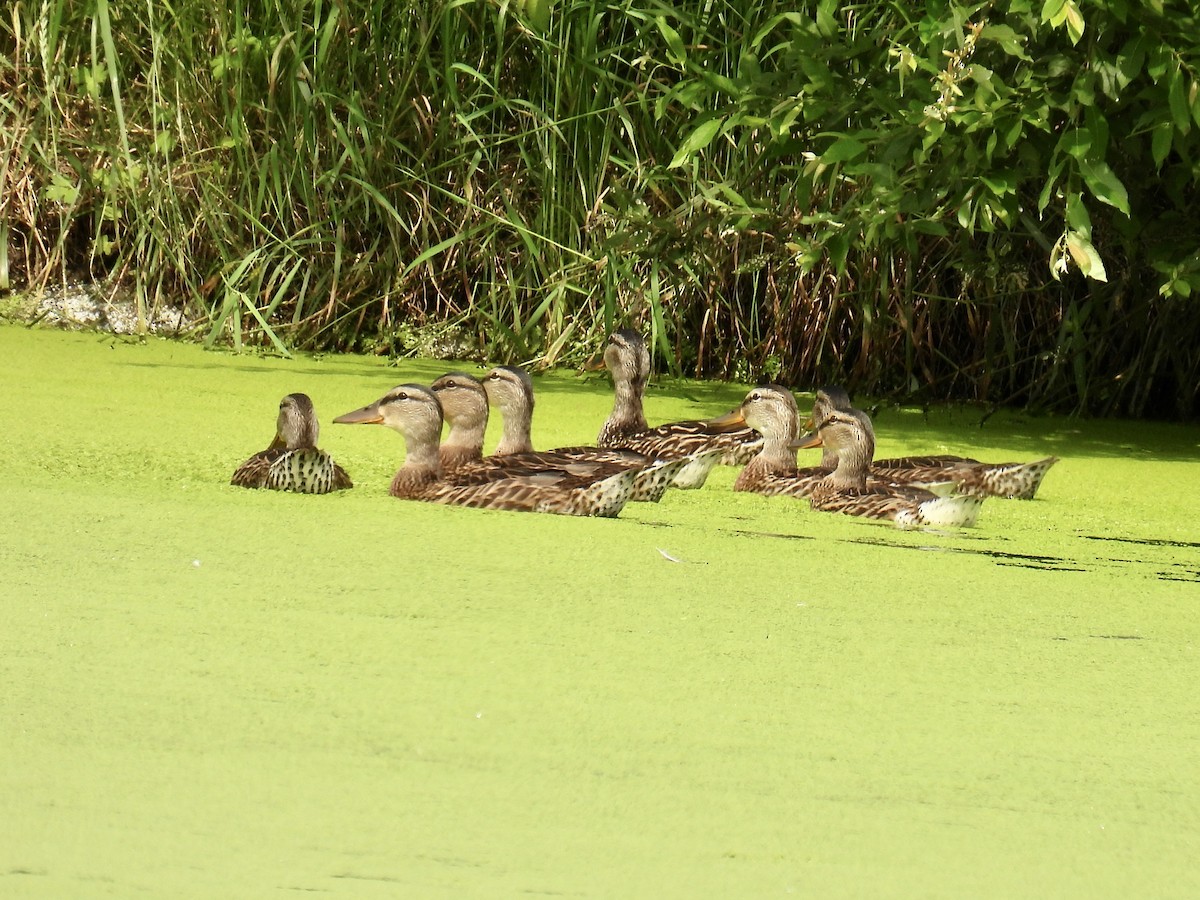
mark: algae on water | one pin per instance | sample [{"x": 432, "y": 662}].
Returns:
[{"x": 213, "y": 692}]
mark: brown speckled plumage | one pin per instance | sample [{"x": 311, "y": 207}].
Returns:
[
  {"x": 771, "y": 411},
  {"x": 628, "y": 363},
  {"x": 416, "y": 413},
  {"x": 847, "y": 489},
  {"x": 465, "y": 408},
  {"x": 1013, "y": 481},
  {"x": 293, "y": 462}
]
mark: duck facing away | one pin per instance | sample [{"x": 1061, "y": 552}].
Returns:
[
  {"x": 510, "y": 390},
  {"x": 416, "y": 413},
  {"x": 292, "y": 462},
  {"x": 1012, "y": 481},
  {"x": 847, "y": 490},
  {"x": 628, "y": 362}
]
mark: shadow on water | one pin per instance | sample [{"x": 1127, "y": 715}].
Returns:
[
  {"x": 1002, "y": 557},
  {"x": 1162, "y": 569},
  {"x": 1146, "y": 542}
]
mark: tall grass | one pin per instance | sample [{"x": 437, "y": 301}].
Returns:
[{"x": 521, "y": 178}]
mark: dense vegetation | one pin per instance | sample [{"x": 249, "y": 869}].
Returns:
[{"x": 976, "y": 201}]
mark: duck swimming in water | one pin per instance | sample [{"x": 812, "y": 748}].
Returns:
[
  {"x": 292, "y": 462},
  {"x": 847, "y": 489},
  {"x": 1018, "y": 481},
  {"x": 416, "y": 413},
  {"x": 628, "y": 361}
]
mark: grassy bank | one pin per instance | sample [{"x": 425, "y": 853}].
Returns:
[{"x": 967, "y": 204}]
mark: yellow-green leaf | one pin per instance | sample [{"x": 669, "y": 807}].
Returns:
[
  {"x": 700, "y": 138},
  {"x": 1084, "y": 255}
]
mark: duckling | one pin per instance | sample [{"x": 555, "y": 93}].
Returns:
[
  {"x": 416, "y": 413},
  {"x": 628, "y": 362},
  {"x": 846, "y": 489},
  {"x": 1019, "y": 481},
  {"x": 292, "y": 462}
]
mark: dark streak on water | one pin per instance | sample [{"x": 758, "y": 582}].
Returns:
[
  {"x": 1021, "y": 560},
  {"x": 1146, "y": 542},
  {"x": 1003, "y": 558},
  {"x": 776, "y": 534}
]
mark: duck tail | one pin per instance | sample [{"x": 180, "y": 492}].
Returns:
[{"x": 1019, "y": 481}]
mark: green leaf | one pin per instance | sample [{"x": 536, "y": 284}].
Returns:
[
  {"x": 700, "y": 138},
  {"x": 826, "y": 23},
  {"x": 1177, "y": 99},
  {"x": 1010, "y": 42},
  {"x": 1104, "y": 184},
  {"x": 1160, "y": 142},
  {"x": 1052, "y": 9},
  {"x": 1077, "y": 143},
  {"x": 843, "y": 149},
  {"x": 1077, "y": 216},
  {"x": 1000, "y": 183},
  {"x": 538, "y": 12},
  {"x": 675, "y": 48},
  {"x": 929, "y": 226},
  {"x": 1075, "y": 23},
  {"x": 62, "y": 190}
]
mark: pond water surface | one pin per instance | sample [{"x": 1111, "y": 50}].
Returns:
[{"x": 214, "y": 692}]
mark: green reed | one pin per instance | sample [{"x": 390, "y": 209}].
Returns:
[{"x": 760, "y": 187}]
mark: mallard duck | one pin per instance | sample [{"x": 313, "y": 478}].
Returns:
[
  {"x": 510, "y": 390},
  {"x": 628, "y": 362},
  {"x": 292, "y": 462},
  {"x": 1018, "y": 481},
  {"x": 846, "y": 489},
  {"x": 771, "y": 411},
  {"x": 465, "y": 409},
  {"x": 416, "y": 413}
]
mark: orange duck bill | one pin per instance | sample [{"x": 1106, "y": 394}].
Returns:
[
  {"x": 807, "y": 441},
  {"x": 731, "y": 421},
  {"x": 368, "y": 415}
]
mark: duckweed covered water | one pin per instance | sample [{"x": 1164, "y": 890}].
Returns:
[{"x": 214, "y": 692}]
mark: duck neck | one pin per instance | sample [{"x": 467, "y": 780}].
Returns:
[
  {"x": 518, "y": 423},
  {"x": 463, "y": 444},
  {"x": 853, "y": 461},
  {"x": 627, "y": 416},
  {"x": 422, "y": 464},
  {"x": 775, "y": 457}
]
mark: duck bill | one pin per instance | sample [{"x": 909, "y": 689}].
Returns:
[
  {"x": 728, "y": 422},
  {"x": 807, "y": 441},
  {"x": 278, "y": 444},
  {"x": 595, "y": 363},
  {"x": 368, "y": 415}
]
